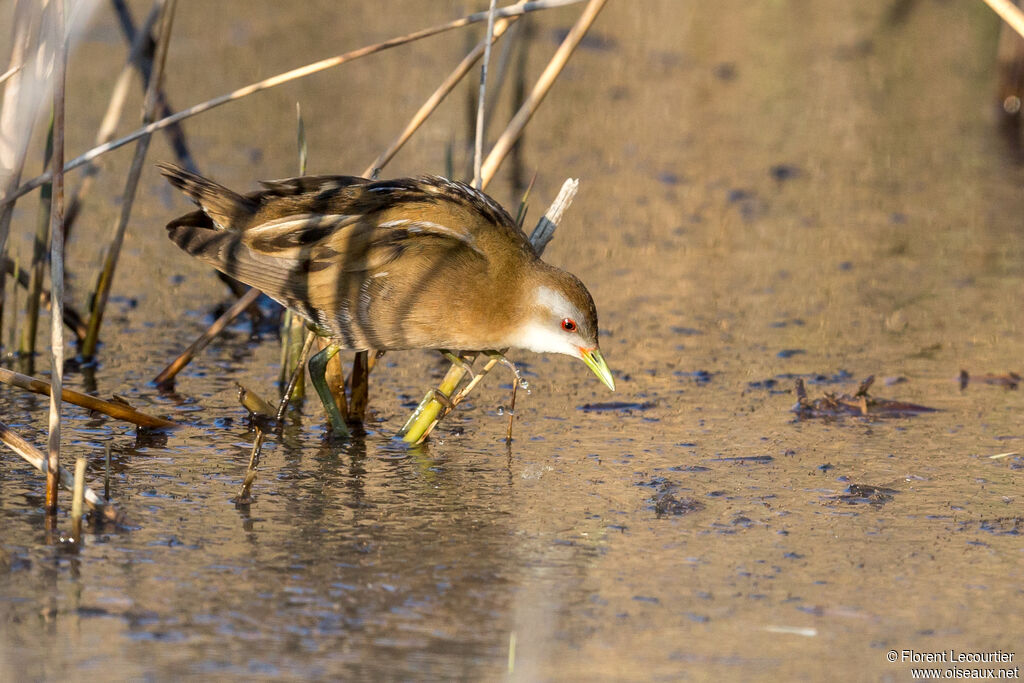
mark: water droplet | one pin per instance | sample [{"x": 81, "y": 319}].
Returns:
[
  {"x": 501, "y": 410},
  {"x": 523, "y": 384}
]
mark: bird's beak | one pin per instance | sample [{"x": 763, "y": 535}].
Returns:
[{"x": 595, "y": 361}]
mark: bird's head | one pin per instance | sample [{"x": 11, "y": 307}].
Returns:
[{"x": 560, "y": 317}]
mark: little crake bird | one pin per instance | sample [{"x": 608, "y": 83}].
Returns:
[{"x": 412, "y": 263}]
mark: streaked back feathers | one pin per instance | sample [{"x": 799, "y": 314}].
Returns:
[{"x": 369, "y": 261}]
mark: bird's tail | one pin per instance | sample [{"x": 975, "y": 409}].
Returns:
[{"x": 226, "y": 208}]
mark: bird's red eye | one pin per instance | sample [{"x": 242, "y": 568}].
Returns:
[{"x": 569, "y": 325}]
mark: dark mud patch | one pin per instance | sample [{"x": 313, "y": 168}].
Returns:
[
  {"x": 616, "y": 407},
  {"x": 998, "y": 526},
  {"x": 779, "y": 383}
]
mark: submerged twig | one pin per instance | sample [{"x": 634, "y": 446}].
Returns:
[
  {"x": 274, "y": 81},
  {"x": 37, "y": 459},
  {"x": 118, "y": 411},
  {"x": 106, "y": 276}
]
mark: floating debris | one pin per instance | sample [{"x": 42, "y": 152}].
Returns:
[
  {"x": 1010, "y": 380},
  {"x": 668, "y": 504},
  {"x": 865, "y": 494},
  {"x": 857, "y": 405}
]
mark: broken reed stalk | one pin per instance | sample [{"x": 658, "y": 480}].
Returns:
[
  {"x": 56, "y": 260},
  {"x": 423, "y": 419},
  {"x": 429, "y": 412},
  {"x": 37, "y": 459},
  {"x": 27, "y": 346},
  {"x": 106, "y": 276},
  {"x": 309, "y": 69},
  {"x": 478, "y": 149},
  {"x": 541, "y": 88},
  {"x": 117, "y": 411},
  {"x": 112, "y": 117},
  {"x": 1009, "y": 13},
  {"x": 77, "y": 494}
]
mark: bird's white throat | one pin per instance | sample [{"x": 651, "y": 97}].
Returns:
[{"x": 542, "y": 334}]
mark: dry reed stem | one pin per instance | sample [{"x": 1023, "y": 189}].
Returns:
[
  {"x": 10, "y": 72},
  {"x": 106, "y": 277},
  {"x": 1009, "y": 13},
  {"x": 77, "y": 494},
  {"x": 478, "y": 149},
  {"x": 72, "y": 318},
  {"x": 291, "y": 390},
  {"x": 56, "y": 260},
  {"x": 37, "y": 459},
  {"x": 108, "y": 126},
  {"x": 274, "y": 81},
  {"x": 30, "y": 327},
  {"x": 174, "y": 133},
  {"x": 435, "y": 99},
  {"x": 12, "y": 150},
  {"x": 167, "y": 375},
  {"x": 118, "y": 411},
  {"x": 540, "y": 89}
]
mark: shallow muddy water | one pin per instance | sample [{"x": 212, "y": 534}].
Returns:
[{"x": 768, "y": 191}]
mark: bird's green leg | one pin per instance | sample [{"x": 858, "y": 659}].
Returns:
[{"x": 317, "y": 373}]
